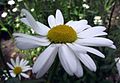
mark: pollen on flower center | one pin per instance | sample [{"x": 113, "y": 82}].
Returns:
[
  {"x": 17, "y": 70},
  {"x": 62, "y": 34}
]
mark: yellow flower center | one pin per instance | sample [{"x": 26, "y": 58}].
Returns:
[
  {"x": 62, "y": 34},
  {"x": 17, "y": 70}
]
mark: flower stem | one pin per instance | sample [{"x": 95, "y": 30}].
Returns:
[{"x": 111, "y": 14}]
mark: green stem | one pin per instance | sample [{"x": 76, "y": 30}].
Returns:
[{"x": 111, "y": 14}]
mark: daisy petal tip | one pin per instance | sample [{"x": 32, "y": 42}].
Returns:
[
  {"x": 58, "y": 10},
  {"x": 95, "y": 69},
  {"x": 103, "y": 56},
  {"x": 113, "y": 46}
]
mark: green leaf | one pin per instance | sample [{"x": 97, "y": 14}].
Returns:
[
  {"x": 4, "y": 29},
  {"x": 13, "y": 80}
]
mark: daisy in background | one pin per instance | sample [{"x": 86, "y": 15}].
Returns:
[
  {"x": 71, "y": 41},
  {"x": 19, "y": 67}
]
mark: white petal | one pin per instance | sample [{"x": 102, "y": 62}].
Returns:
[
  {"x": 29, "y": 42},
  {"x": 31, "y": 20},
  {"x": 41, "y": 39},
  {"x": 59, "y": 18},
  {"x": 68, "y": 55},
  {"x": 94, "y": 51},
  {"x": 65, "y": 63},
  {"x": 10, "y": 66},
  {"x": 24, "y": 63},
  {"x": 12, "y": 74},
  {"x": 87, "y": 61},
  {"x": 13, "y": 62},
  {"x": 21, "y": 62},
  {"x": 26, "y": 69},
  {"x": 96, "y": 41},
  {"x": 51, "y": 21},
  {"x": 24, "y": 20},
  {"x": 44, "y": 58},
  {"x": 43, "y": 29},
  {"x": 84, "y": 22},
  {"x": 101, "y": 28},
  {"x": 19, "y": 76},
  {"x": 78, "y": 26},
  {"x": 17, "y": 61},
  {"x": 113, "y": 46},
  {"x": 79, "y": 72},
  {"x": 47, "y": 65},
  {"x": 74, "y": 25},
  {"x": 25, "y": 75},
  {"x": 76, "y": 48},
  {"x": 92, "y": 32}
]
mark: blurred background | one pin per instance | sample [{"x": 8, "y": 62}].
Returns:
[{"x": 97, "y": 12}]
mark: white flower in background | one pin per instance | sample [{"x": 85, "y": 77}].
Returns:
[
  {"x": 32, "y": 31},
  {"x": 71, "y": 41},
  {"x": 15, "y": 9},
  {"x": 17, "y": 25},
  {"x": 117, "y": 60},
  {"x": 97, "y": 17},
  {"x": 19, "y": 0},
  {"x": 86, "y": 6},
  {"x": 4, "y": 14},
  {"x": 98, "y": 20},
  {"x": 84, "y": 0},
  {"x": 11, "y": 2},
  {"x": 32, "y": 10},
  {"x": 19, "y": 67}
]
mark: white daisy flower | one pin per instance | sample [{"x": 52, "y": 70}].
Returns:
[
  {"x": 19, "y": 67},
  {"x": 4, "y": 14},
  {"x": 71, "y": 41},
  {"x": 11, "y": 2}
]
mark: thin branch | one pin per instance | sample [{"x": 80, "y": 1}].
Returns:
[{"x": 110, "y": 19}]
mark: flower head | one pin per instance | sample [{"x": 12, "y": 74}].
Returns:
[
  {"x": 71, "y": 41},
  {"x": 4, "y": 14},
  {"x": 11, "y": 2},
  {"x": 19, "y": 67}
]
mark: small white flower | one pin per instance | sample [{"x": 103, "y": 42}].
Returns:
[
  {"x": 11, "y": 2},
  {"x": 17, "y": 25},
  {"x": 86, "y": 6},
  {"x": 32, "y": 31},
  {"x": 71, "y": 41},
  {"x": 4, "y": 14},
  {"x": 19, "y": 0},
  {"x": 32, "y": 10},
  {"x": 14, "y": 9},
  {"x": 98, "y": 20},
  {"x": 19, "y": 67},
  {"x": 97, "y": 17},
  {"x": 84, "y": 0}
]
